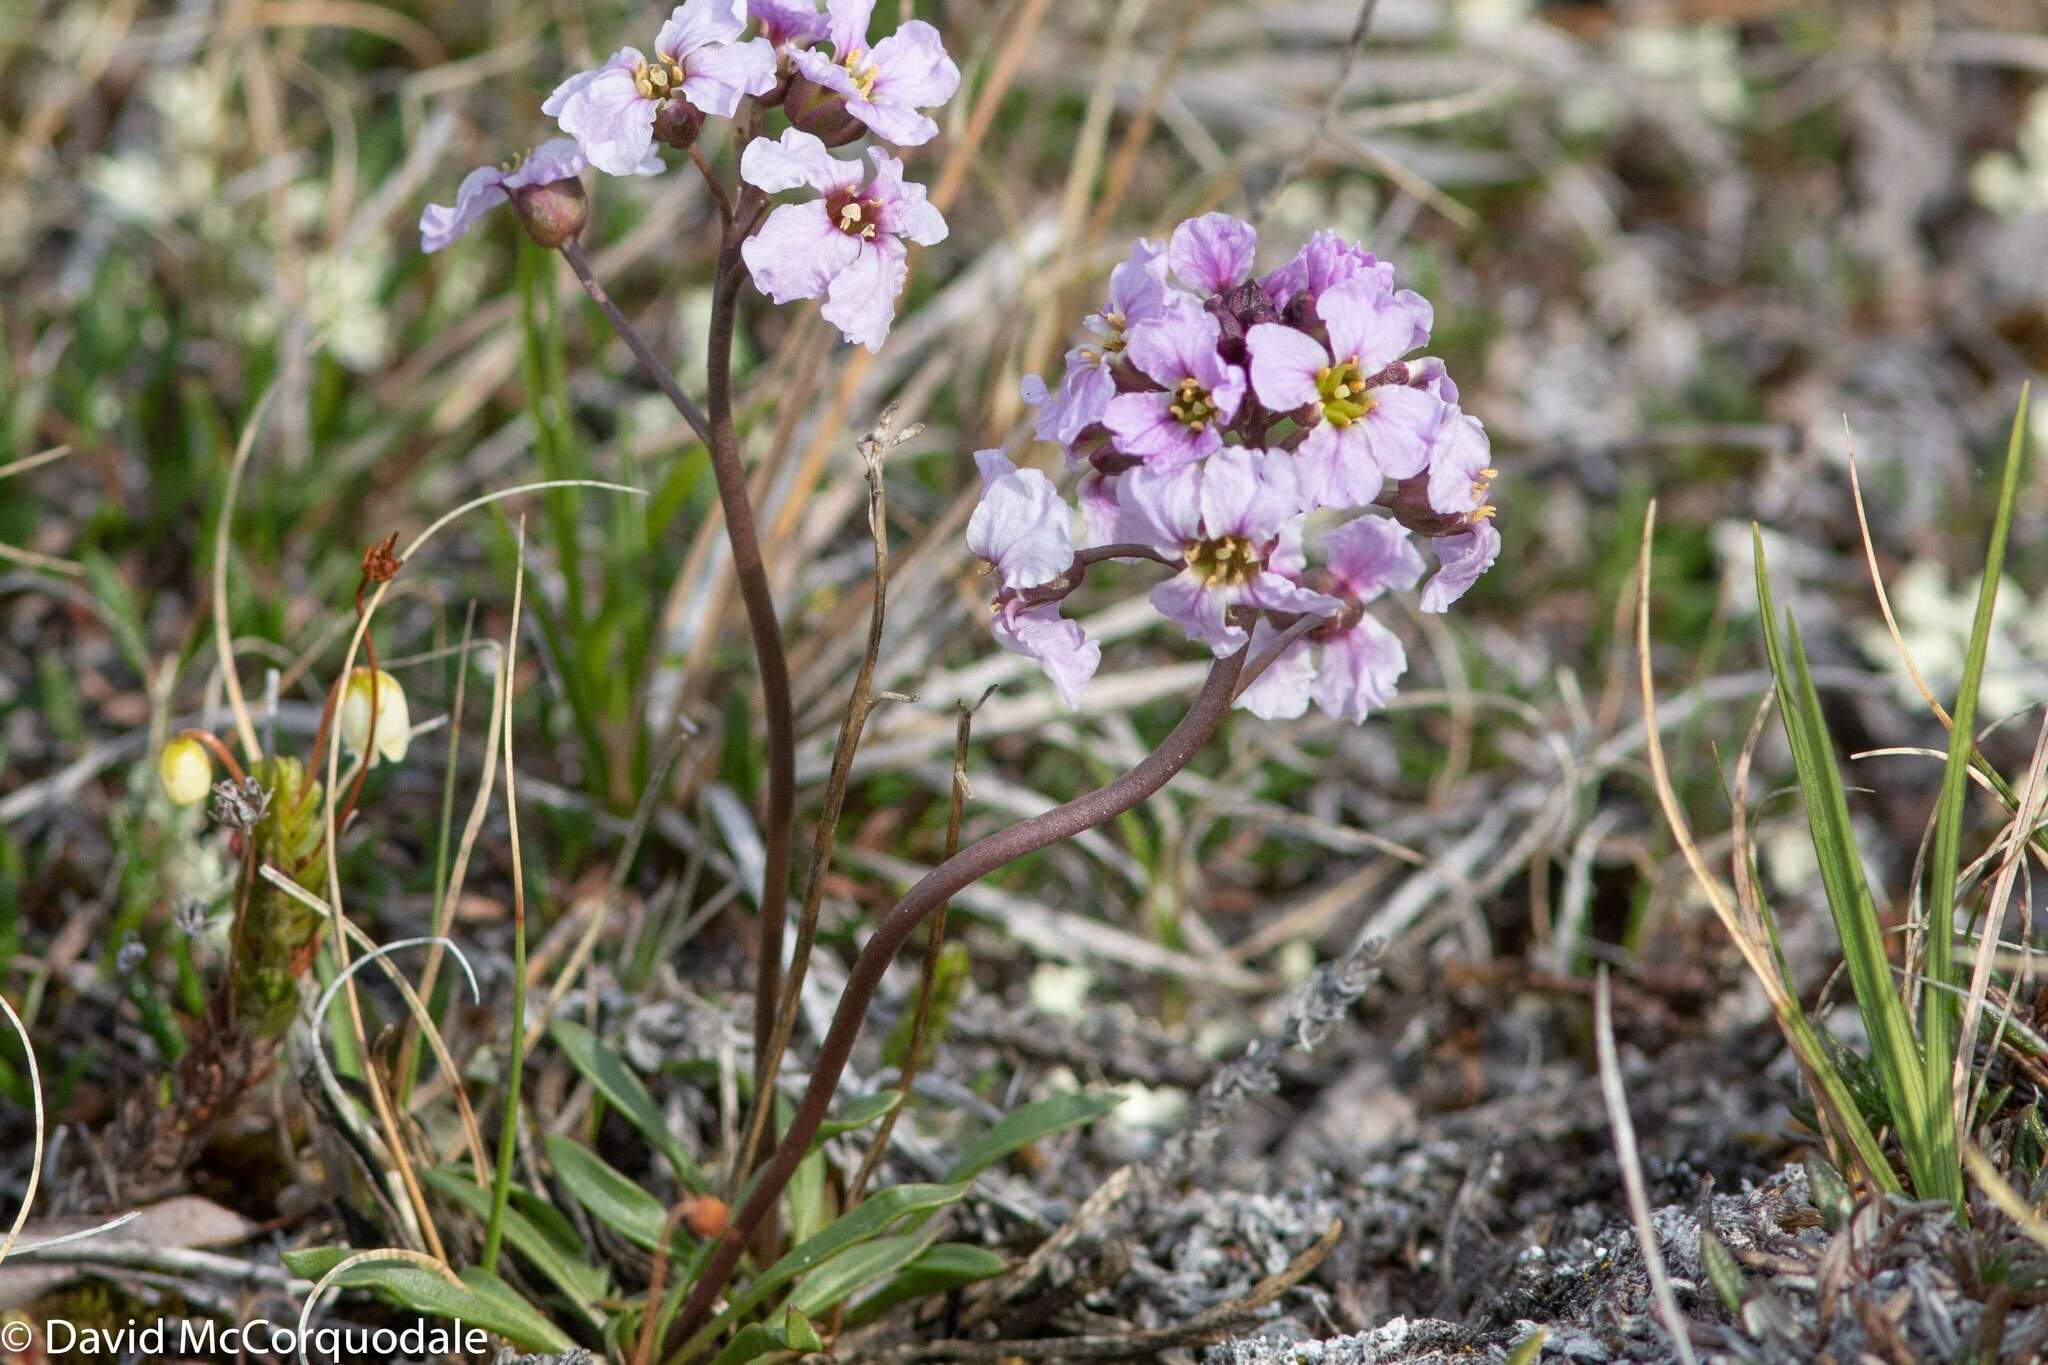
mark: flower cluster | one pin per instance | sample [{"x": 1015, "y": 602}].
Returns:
[
  {"x": 847, "y": 246},
  {"x": 1216, "y": 416}
]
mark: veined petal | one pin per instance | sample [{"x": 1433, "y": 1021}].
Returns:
[
  {"x": 846, "y": 23},
  {"x": 715, "y": 79},
  {"x": 1359, "y": 670},
  {"x": 1401, "y": 428},
  {"x": 912, "y": 68},
  {"x": 1284, "y": 365},
  {"x": 862, "y": 301},
  {"x": 797, "y": 252},
  {"x": 1282, "y": 691},
  {"x": 1202, "y": 613},
  {"x": 1212, "y": 253},
  {"x": 1020, "y": 525},
  {"x": 798, "y": 158},
  {"x": 1371, "y": 555},
  {"x": 905, "y": 211},
  {"x": 697, "y": 24},
  {"x": 1462, "y": 559},
  {"x": 1366, "y": 326}
]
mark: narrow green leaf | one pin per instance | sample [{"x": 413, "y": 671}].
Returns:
[
  {"x": 1722, "y": 1272},
  {"x": 623, "y": 1090},
  {"x": 605, "y": 1193},
  {"x": 870, "y": 1220},
  {"x": 481, "y": 1300},
  {"x": 583, "y": 1282},
  {"x": 1848, "y": 894},
  {"x": 1029, "y": 1124},
  {"x": 758, "y": 1339},
  {"x": 1938, "y": 1007},
  {"x": 858, "y": 1114},
  {"x": 844, "y": 1276}
]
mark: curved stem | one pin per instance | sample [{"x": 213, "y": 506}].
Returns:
[
  {"x": 922, "y": 901},
  {"x": 715, "y": 429}
]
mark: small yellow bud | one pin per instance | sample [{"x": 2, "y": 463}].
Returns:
[
  {"x": 185, "y": 771},
  {"x": 394, "y": 721}
]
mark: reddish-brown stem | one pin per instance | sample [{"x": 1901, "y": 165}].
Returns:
[
  {"x": 715, "y": 429},
  {"x": 922, "y": 901},
  {"x": 1077, "y": 572},
  {"x": 210, "y": 742}
]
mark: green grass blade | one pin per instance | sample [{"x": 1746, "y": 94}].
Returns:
[
  {"x": 1938, "y": 1007},
  {"x": 1919, "y": 1116}
]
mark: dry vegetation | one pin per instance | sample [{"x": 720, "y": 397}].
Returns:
[{"x": 1672, "y": 247}]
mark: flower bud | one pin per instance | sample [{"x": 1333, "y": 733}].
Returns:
[
  {"x": 677, "y": 124},
  {"x": 705, "y": 1215},
  {"x": 394, "y": 721},
  {"x": 553, "y": 213},
  {"x": 1409, "y": 502},
  {"x": 820, "y": 112},
  {"x": 185, "y": 771}
]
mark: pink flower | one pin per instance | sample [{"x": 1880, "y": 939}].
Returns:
[
  {"x": 1350, "y": 665},
  {"x": 1059, "y": 646},
  {"x": 1020, "y": 526},
  {"x": 486, "y": 187},
  {"x": 1137, "y": 293},
  {"x": 884, "y": 85},
  {"x": 1212, "y": 254},
  {"x": 1325, "y": 261},
  {"x": 610, "y": 110},
  {"x": 1235, "y": 520},
  {"x": 846, "y": 245},
  {"x": 1366, "y": 423},
  {"x": 1177, "y": 349},
  {"x": 1461, "y": 559},
  {"x": 784, "y": 22}
]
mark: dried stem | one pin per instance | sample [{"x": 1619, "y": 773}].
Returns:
[
  {"x": 873, "y": 448},
  {"x": 928, "y": 982},
  {"x": 922, "y": 901}
]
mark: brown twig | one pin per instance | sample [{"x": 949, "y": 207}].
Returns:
[
  {"x": 928, "y": 982},
  {"x": 874, "y": 448}
]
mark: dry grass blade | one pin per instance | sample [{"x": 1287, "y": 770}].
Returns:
[
  {"x": 508, "y": 1133},
  {"x": 1831, "y": 1096},
  {"x": 2032, "y": 798},
  {"x": 224, "y": 645},
  {"x": 2009, "y": 1200},
  {"x": 35, "y": 1163},
  {"x": 1631, "y": 1167}
]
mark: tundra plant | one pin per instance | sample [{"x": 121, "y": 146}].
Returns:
[{"x": 1271, "y": 444}]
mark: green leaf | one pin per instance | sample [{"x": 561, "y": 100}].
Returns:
[
  {"x": 872, "y": 1218},
  {"x": 583, "y": 1282},
  {"x": 949, "y": 1265},
  {"x": 858, "y": 1114},
  {"x": 481, "y": 1300},
  {"x": 759, "y": 1339},
  {"x": 624, "y": 1092},
  {"x": 609, "y": 1196},
  {"x": 1029, "y": 1125},
  {"x": 1722, "y": 1272},
  {"x": 846, "y": 1275},
  {"x": 1938, "y": 1007},
  {"x": 1895, "y": 1050}
]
